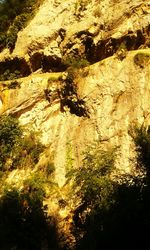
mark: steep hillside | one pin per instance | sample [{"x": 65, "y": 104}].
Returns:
[
  {"x": 79, "y": 73},
  {"x": 109, "y": 97}
]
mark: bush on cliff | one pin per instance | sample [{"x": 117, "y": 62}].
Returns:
[
  {"x": 24, "y": 224},
  {"x": 122, "y": 221},
  {"x": 16, "y": 149},
  {"x": 14, "y": 15}
]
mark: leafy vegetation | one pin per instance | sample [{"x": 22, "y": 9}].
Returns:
[
  {"x": 75, "y": 62},
  {"x": 110, "y": 215},
  {"x": 14, "y": 69},
  {"x": 142, "y": 59},
  {"x": 23, "y": 221},
  {"x": 69, "y": 97},
  {"x": 113, "y": 215},
  {"x": 94, "y": 176},
  {"x": 14, "y": 15},
  {"x": 8, "y": 75},
  {"x": 10, "y": 134},
  {"x": 95, "y": 189},
  {"x": 141, "y": 138},
  {"x": 16, "y": 150}
]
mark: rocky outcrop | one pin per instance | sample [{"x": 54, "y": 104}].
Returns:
[
  {"x": 87, "y": 28},
  {"x": 116, "y": 96},
  {"x": 79, "y": 72},
  {"x": 76, "y": 26}
]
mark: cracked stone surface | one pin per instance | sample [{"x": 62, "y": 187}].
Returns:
[{"x": 116, "y": 95}]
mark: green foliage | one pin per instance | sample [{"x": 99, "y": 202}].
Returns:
[
  {"x": 23, "y": 221},
  {"x": 21, "y": 20},
  {"x": 8, "y": 75},
  {"x": 17, "y": 150},
  {"x": 141, "y": 137},
  {"x": 69, "y": 96},
  {"x": 10, "y": 133},
  {"x": 96, "y": 190},
  {"x": 75, "y": 62},
  {"x": 14, "y": 15},
  {"x": 123, "y": 223},
  {"x": 2, "y": 40},
  {"x": 94, "y": 177},
  {"x": 11, "y": 37},
  {"x": 10, "y": 130},
  {"x": 142, "y": 59},
  {"x": 50, "y": 168},
  {"x": 32, "y": 147},
  {"x": 35, "y": 185}
]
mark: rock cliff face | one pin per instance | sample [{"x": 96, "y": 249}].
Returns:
[
  {"x": 108, "y": 96},
  {"x": 85, "y": 76}
]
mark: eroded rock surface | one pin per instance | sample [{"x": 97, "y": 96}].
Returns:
[
  {"x": 101, "y": 101},
  {"x": 87, "y": 28},
  {"x": 116, "y": 94},
  {"x": 105, "y": 98}
]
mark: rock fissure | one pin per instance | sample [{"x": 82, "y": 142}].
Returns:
[
  {"x": 108, "y": 47},
  {"x": 25, "y": 106},
  {"x": 104, "y": 48}
]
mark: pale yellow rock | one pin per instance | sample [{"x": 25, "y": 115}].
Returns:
[
  {"x": 115, "y": 91},
  {"x": 117, "y": 18},
  {"x": 116, "y": 95}
]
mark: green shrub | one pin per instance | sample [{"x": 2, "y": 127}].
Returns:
[
  {"x": 2, "y": 40},
  {"x": 142, "y": 59},
  {"x": 23, "y": 221},
  {"x": 10, "y": 134},
  {"x": 11, "y": 37},
  {"x": 10, "y": 130},
  {"x": 112, "y": 210},
  {"x": 96, "y": 192},
  {"x": 14, "y": 15},
  {"x": 35, "y": 186},
  {"x": 8, "y": 75},
  {"x": 21, "y": 20},
  {"x": 50, "y": 168},
  {"x": 93, "y": 178},
  {"x": 75, "y": 62},
  {"x": 17, "y": 150},
  {"x": 141, "y": 137},
  {"x": 32, "y": 147}
]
